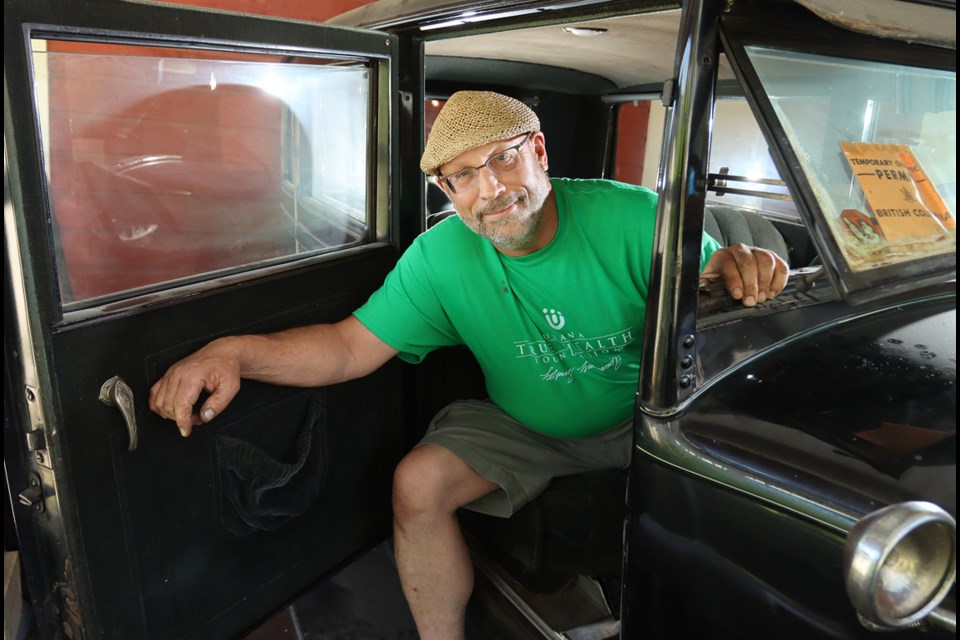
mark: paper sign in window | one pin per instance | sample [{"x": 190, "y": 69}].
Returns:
[{"x": 902, "y": 199}]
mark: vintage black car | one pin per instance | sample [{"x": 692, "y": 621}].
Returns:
[{"x": 173, "y": 175}]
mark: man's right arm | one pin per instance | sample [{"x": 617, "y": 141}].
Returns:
[{"x": 311, "y": 356}]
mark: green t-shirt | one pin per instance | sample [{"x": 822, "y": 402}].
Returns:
[{"x": 556, "y": 332}]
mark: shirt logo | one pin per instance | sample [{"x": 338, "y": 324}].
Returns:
[{"x": 554, "y": 318}]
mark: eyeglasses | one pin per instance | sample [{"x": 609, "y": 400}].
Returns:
[{"x": 465, "y": 180}]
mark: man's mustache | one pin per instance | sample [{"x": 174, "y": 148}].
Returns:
[{"x": 502, "y": 202}]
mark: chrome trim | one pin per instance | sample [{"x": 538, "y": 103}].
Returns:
[
  {"x": 117, "y": 393},
  {"x": 720, "y": 191},
  {"x": 33, "y": 391},
  {"x": 152, "y": 298},
  {"x": 665, "y": 442},
  {"x": 601, "y": 629},
  {"x": 12, "y": 240},
  {"x": 384, "y": 149},
  {"x": 671, "y": 309},
  {"x": 907, "y": 543},
  {"x": 604, "y": 629},
  {"x": 703, "y": 386},
  {"x": 944, "y": 618},
  {"x": 518, "y": 603},
  {"x": 620, "y": 98},
  {"x": 437, "y": 15},
  {"x": 717, "y": 182}
]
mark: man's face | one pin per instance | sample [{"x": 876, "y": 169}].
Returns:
[{"x": 505, "y": 209}]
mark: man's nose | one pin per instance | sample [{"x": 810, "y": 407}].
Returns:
[{"x": 488, "y": 185}]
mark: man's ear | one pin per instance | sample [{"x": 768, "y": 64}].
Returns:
[
  {"x": 540, "y": 148},
  {"x": 443, "y": 185}
]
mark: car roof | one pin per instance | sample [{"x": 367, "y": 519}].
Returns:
[{"x": 461, "y": 34}]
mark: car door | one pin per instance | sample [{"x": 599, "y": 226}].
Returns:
[{"x": 172, "y": 176}]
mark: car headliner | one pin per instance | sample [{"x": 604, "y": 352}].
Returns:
[{"x": 649, "y": 37}]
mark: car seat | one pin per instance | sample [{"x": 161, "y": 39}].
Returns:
[{"x": 730, "y": 225}]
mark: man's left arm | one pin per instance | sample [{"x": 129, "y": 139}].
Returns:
[{"x": 750, "y": 274}]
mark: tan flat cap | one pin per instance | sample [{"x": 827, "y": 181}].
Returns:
[{"x": 473, "y": 118}]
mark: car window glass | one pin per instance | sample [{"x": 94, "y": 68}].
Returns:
[
  {"x": 175, "y": 165},
  {"x": 741, "y": 164},
  {"x": 877, "y": 143}
]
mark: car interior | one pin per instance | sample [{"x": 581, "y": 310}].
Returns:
[{"x": 559, "y": 558}]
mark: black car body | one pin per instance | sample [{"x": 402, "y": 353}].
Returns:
[{"x": 794, "y": 473}]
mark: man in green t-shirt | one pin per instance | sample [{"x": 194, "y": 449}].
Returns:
[{"x": 545, "y": 280}]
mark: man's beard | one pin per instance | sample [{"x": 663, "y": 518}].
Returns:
[{"x": 516, "y": 230}]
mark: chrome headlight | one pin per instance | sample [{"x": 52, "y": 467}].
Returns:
[{"x": 900, "y": 562}]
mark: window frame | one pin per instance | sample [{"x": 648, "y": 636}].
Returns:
[
  {"x": 854, "y": 286},
  {"x": 377, "y": 50}
]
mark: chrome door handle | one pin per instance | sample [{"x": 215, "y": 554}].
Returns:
[{"x": 117, "y": 393}]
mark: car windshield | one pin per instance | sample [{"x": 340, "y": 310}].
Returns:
[{"x": 877, "y": 143}]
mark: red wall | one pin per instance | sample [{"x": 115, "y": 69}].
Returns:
[{"x": 632, "y": 122}]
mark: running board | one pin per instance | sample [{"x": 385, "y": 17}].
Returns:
[{"x": 606, "y": 628}]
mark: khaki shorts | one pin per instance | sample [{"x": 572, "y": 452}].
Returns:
[{"x": 518, "y": 459}]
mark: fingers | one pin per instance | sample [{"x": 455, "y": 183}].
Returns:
[
  {"x": 750, "y": 274},
  {"x": 772, "y": 273},
  {"x": 175, "y": 395},
  {"x": 779, "y": 275},
  {"x": 723, "y": 264},
  {"x": 222, "y": 391},
  {"x": 756, "y": 268}
]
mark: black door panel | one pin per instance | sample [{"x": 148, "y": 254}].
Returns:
[{"x": 160, "y": 526}]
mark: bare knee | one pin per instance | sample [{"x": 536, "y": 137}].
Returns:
[
  {"x": 418, "y": 485},
  {"x": 431, "y": 481}
]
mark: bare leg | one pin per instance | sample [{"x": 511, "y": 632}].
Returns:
[{"x": 430, "y": 484}]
